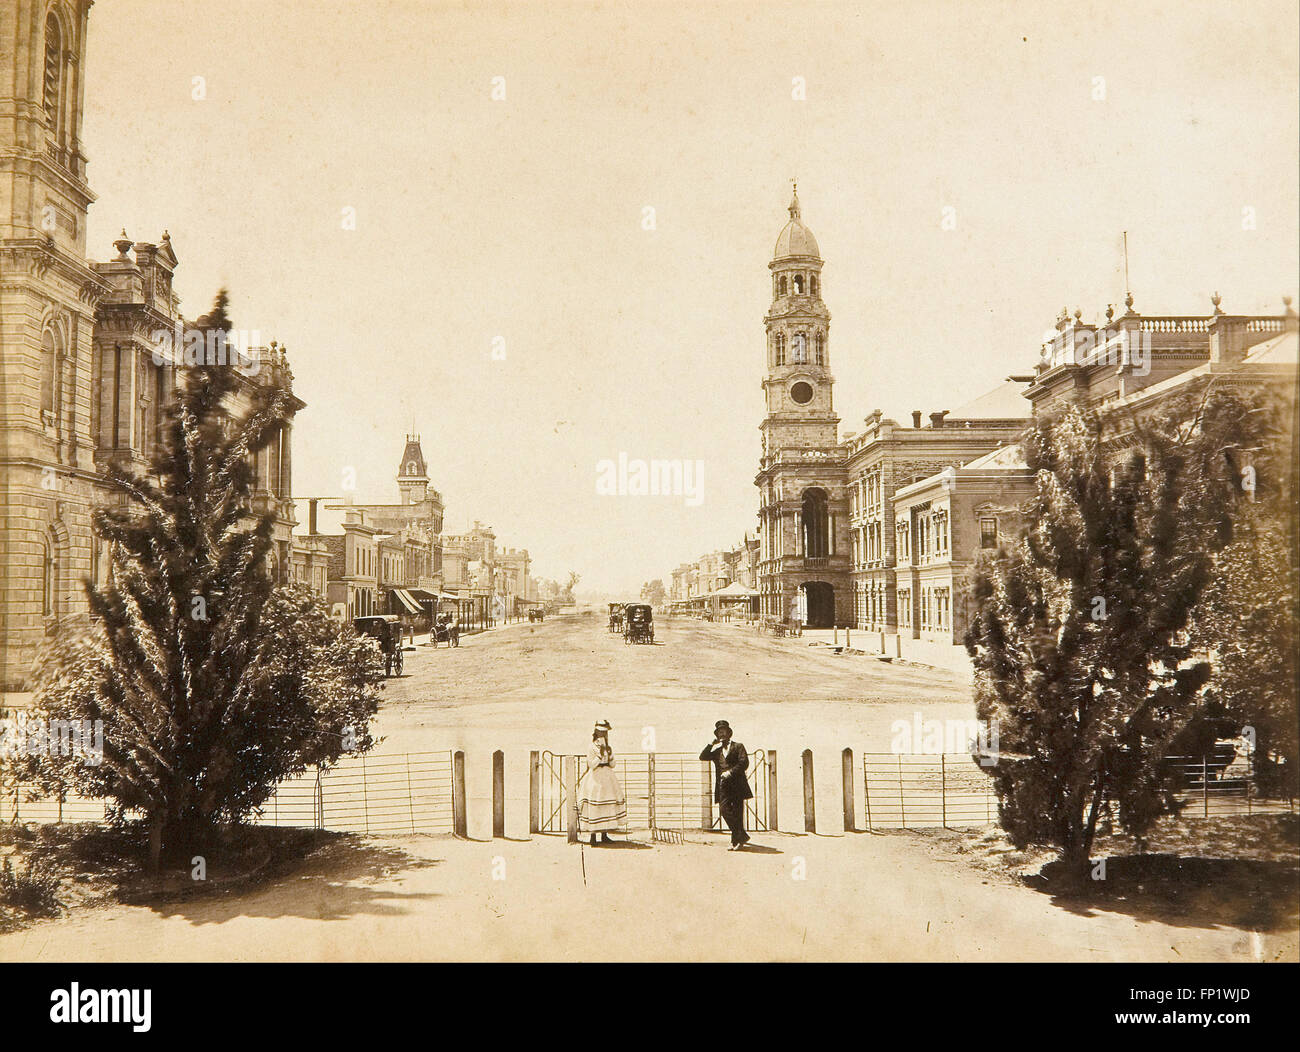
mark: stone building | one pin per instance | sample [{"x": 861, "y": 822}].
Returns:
[
  {"x": 84, "y": 378},
  {"x": 1130, "y": 367},
  {"x": 943, "y": 523},
  {"x": 826, "y": 525}
]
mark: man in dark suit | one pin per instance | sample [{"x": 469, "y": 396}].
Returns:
[{"x": 730, "y": 785}]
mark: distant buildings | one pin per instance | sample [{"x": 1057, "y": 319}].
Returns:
[
  {"x": 879, "y": 531},
  {"x": 395, "y": 559}
]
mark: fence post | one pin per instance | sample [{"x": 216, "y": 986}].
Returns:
[
  {"x": 365, "y": 795},
  {"x": 534, "y": 791},
  {"x": 848, "y": 638},
  {"x": 866, "y": 788},
  {"x": 902, "y": 804},
  {"x": 410, "y": 793},
  {"x": 459, "y": 815},
  {"x": 650, "y": 788},
  {"x": 498, "y": 794},
  {"x": 1205, "y": 785},
  {"x": 771, "y": 790},
  {"x": 1250, "y": 776},
  {"x": 571, "y": 797},
  {"x": 846, "y": 759},
  {"x": 706, "y": 796},
  {"x": 943, "y": 791},
  {"x": 809, "y": 797}
]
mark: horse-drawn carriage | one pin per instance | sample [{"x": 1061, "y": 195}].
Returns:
[
  {"x": 446, "y": 629},
  {"x": 638, "y": 623},
  {"x": 386, "y": 630},
  {"x": 536, "y": 613},
  {"x": 616, "y": 617}
]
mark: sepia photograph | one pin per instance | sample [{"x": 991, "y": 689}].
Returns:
[{"x": 441, "y": 524}]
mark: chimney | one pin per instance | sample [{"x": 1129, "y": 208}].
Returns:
[
  {"x": 311, "y": 514},
  {"x": 916, "y": 418},
  {"x": 936, "y": 419}
]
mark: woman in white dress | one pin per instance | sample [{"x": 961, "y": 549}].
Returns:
[{"x": 602, "y": 806}]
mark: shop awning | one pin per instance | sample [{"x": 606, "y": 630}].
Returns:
[{"x": 407, "y": 600}]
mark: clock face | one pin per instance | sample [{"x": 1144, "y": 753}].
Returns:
[{"x": 801, "y": 393}]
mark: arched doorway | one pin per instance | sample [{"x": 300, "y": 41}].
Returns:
[
  {"x": 820, "y": 598},
  {"x": 815, "y": 517}
]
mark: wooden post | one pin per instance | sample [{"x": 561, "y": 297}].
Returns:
[
  {"x": 1205, "y": 785},
  {"x": 534, "y": 792},
  {"x": 850, "y": 822},
  {"x": 809, "y": 797},
  {"x": 410, "y": 793},
  {"x": 771, "y": 790},
  {"x": 650, "y": 789},
  {"x": 498, "y": 794},
  {"x": 459, "y": 815},
  {"x": 848, "y": 638},
  {"x": 835, "y": 639},
  {"x": 571, "y": 797},
  {"x": 706, "y": 795},
  {"x": 943, "y": 791},
  {"x": 866, "y": 789}
]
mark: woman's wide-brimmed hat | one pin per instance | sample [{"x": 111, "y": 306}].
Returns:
[{"x": 602, "y": 725}]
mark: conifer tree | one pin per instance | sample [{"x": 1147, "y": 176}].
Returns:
[
  {"x": 210, "y": 689},
  {"x": 1079, "y": 641}
]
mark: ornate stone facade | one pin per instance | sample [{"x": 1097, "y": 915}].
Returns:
[
  {"x": 826, "y": 525},
  {"x": 80, "y": 383}
]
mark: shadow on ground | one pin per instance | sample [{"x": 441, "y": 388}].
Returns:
[
  {"x": 261, "y": 872},
  {"x": 1258, "y": 894}
]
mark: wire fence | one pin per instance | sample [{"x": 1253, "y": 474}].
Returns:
[
  {"x": 393, "y": 793},
  {"x": 952, "y": 790},
  {"x": 424, "y": 792}
]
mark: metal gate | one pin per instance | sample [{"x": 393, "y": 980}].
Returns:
[{"x": 664, "y": 791}]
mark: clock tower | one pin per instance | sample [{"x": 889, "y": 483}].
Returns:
[
  {"x": 803, "y": 507},
  {"x": 798, "y": 384}
]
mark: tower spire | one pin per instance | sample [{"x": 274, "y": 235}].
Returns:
[{"x": 794, "y": 199}]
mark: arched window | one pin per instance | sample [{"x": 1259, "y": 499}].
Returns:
[
  {"x": 799, "y": 349},
  {"x": 49, "y": 366},
  {"x": 783, "y": 285},
  {"x": 821, "y": 348},
  {"x": 798, "y": 284},
  {"x": 815, "y": 285},
  {"x": 50, "y": 579},
  {"x": 53, "y": 70},
  {"x": 816, "y": 524},
  {"x": 780, "y": 348}
]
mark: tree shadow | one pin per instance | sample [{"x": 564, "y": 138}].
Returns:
[
  {"x": 248, "y": 871},
  {"x": 327, "y": 884},
  {"x": 1184, "y": 892}
]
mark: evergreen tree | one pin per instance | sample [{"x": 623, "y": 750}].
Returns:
[
  {"x": 210, "y": 693},
  {"x": 1079, "y": 641},
  {"x": 1247, "y": 618}
]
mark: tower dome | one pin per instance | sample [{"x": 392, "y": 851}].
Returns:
[{"x": 796, "y": 239}]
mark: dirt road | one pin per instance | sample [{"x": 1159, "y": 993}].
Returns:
[
  {"x": 831, "y": 896},
  {"x": 795, "y": 898}
]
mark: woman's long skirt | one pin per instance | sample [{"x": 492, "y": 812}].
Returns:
[{"x": 601, "y": 803}]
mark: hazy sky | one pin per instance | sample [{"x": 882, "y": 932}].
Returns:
[{"x": 522, "y": 219}]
